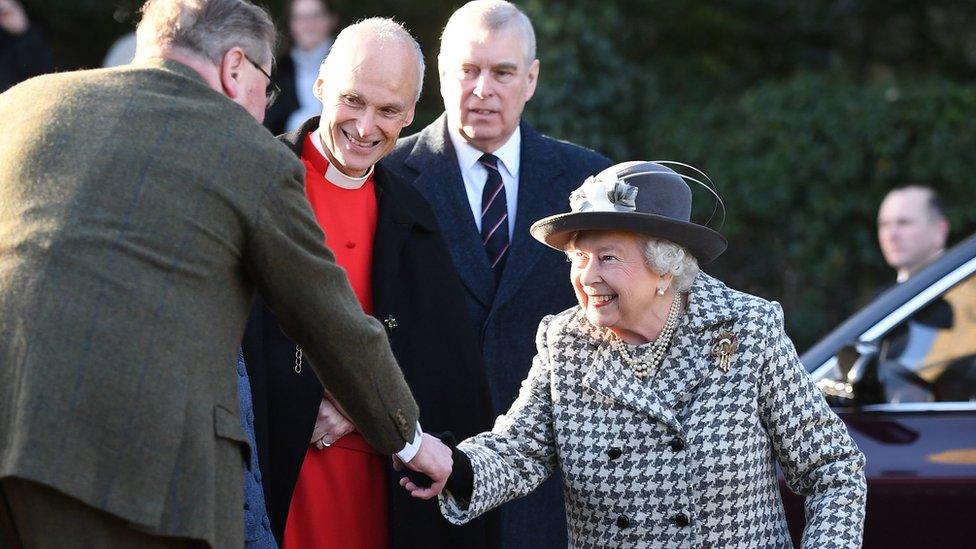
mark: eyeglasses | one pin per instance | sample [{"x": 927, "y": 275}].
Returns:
[{"x": 273, "y": 90}]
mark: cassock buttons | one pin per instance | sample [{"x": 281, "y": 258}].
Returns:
[
  {"x": 677, "y": 444},
  {"x": 614, "y": 453},
  {"x": 623, "y": 521},
  {"x": 681, "y": 520},
  {"x": 350, "y": 244}
]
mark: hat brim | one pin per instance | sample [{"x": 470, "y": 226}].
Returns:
[{"x": 704, "y": 243}]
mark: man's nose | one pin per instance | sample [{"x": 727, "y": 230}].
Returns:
[
  {"x": 482, "y": 88},
  {"x": 365, "y": 123}
]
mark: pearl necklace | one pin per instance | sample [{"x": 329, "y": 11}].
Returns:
[{"x": 643, "y": 365}]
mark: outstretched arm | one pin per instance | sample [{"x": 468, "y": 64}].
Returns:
[{"x": 817, "y": 455}]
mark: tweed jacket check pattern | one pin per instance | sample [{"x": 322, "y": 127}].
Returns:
[{"x": 689, "y": 440}]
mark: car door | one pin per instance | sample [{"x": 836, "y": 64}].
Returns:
[{"x": 907, "y": 391}]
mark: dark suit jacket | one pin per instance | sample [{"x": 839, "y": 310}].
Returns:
[
  {"x": 414, "y": 284},
  {"x": 535, "y": 281},
  {"x": 139, "y": 212}
]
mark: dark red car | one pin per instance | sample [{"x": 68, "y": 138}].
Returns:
[{"x": 901, "y": 372}]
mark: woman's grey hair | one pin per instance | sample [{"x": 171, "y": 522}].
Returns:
[
  {"x": 206, "y": 28},
  {"x": 384, "y": 30},
  {"x": 493, "y": 15},
  {"x": 665, "y": 257}
]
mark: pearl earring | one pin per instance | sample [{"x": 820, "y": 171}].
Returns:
[{"x": 660, "y": 291}]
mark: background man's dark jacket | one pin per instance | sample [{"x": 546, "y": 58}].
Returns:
[
  {"x": 535, "y": 281},
  {"x": 416, "y": 287}
]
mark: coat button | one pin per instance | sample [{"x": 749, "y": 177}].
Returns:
[
  {"x": 681, "y": 520},
  {"x": 623, "y": 521},
  {"x": 350, "y": 244},
  {"x": 614, "y": 453},
  {"x": 677, "y": 445}
]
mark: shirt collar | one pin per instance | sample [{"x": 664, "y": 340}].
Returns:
[
  {"x": 332, "y": 174},
  {"x": 509, "y": 154}
]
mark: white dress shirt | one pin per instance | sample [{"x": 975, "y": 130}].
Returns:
[{"x": 475, "y": 175}]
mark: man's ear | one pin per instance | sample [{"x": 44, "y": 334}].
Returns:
[
  {"x": 533, "y": 78},
  {"x": 408, "y": 116},
  {"x": 317, "y": 88},
  {"x": 231, "y": 69}
]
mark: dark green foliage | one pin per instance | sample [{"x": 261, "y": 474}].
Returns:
[{"x": 804, "y": 112}]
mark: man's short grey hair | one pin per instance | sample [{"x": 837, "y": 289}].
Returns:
[
  {"x": 667, "y": 258},
  {"x": 384, "y": 30},
  {"x": 206, "y": 28},
  {"x": 493, "y": 15}
]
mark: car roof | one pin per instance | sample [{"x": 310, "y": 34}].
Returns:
[{"x": 886, "y": 302}]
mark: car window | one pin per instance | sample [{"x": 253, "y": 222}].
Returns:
[{"x": 930, "y": 356}]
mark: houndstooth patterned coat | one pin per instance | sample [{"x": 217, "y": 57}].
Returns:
[{"x": 684, "y": 458}]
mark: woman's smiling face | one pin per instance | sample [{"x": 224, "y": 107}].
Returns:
[{"x": 614, "y": 286}]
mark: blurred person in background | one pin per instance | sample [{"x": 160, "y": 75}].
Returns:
[
  {"x": 310, "y": 27},
  {"x": 912, "y": 228},
  {"x": 23, "y": 51},
  {"x": 123, "y": 51}
]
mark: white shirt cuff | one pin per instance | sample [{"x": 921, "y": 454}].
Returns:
[{"x": 412, "y": 447}]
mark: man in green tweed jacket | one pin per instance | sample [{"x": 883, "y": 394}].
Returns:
[{"x": 140, "y": 209}]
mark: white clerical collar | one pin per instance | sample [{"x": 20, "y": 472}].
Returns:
[
  {"x": 510, "y": 154},
  {"x": 333, "y": 175}
]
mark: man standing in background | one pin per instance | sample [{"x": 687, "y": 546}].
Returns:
[
  {"x": 310, "y": 26},
  {"x": 23, "y": 52},
  {"x": 488, "y": 175},
  {"x": 912, "y": 228}
]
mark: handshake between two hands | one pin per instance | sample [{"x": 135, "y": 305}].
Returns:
[
  {"x": 431, "y": 467},
  {"x": 426, "y": 474}
]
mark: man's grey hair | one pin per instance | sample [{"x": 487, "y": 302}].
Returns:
[
  {"x": 493, "y": 15},
  {"x": 387, "y": 32},
  {"x": 667, "y": 258},
  {"x": 206, "y": 28}
]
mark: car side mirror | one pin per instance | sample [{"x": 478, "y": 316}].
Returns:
[{"x": 857, "y": 376}]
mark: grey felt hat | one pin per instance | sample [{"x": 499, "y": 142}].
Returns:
[{"x": 642, "y": 197}]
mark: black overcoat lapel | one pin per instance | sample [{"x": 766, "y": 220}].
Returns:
[{"x": 439, "y": 181}]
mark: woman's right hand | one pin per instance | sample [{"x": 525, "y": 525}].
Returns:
[{"x": 330, "y": 425}]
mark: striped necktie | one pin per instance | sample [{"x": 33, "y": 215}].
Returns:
[{"x": 494, "y": 216}]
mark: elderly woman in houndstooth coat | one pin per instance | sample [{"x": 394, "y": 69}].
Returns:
[{"x": 665, "y": 399}]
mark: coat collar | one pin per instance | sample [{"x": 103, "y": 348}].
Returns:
[
  {"x": 540, "y": 167},
  {"x": 439, "y": 180},
  {"x": 389, "y": 190},
  {"x": 688, "y": 362}
]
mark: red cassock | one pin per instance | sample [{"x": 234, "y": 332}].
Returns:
[{"x": 340, "y": 498}]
